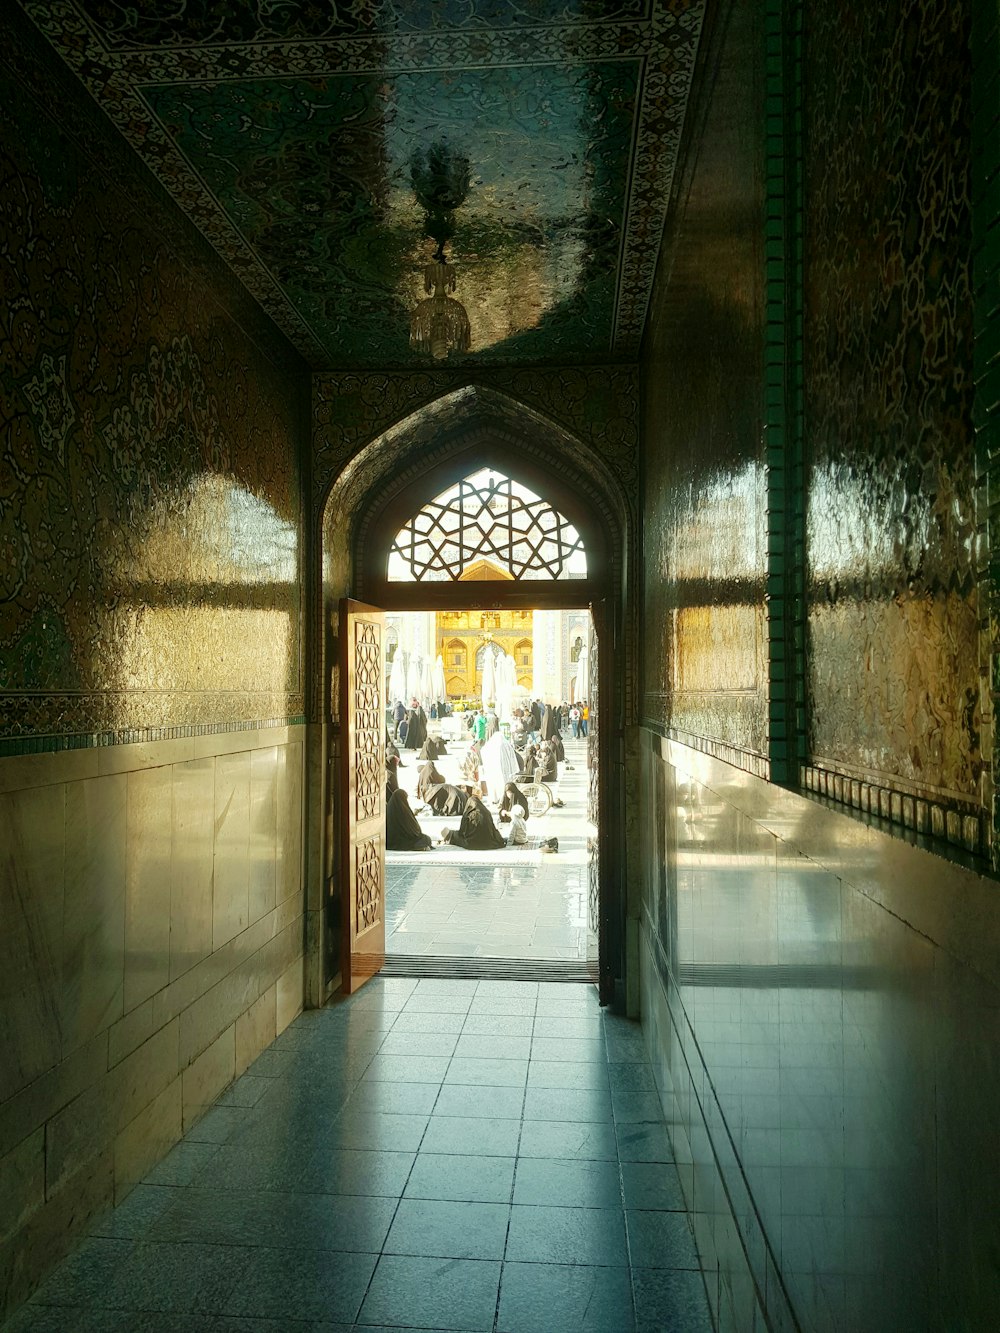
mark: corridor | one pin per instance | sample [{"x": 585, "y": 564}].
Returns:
[{"x": 452, "y": 1155}]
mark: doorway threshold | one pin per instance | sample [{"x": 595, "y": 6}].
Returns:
[{"x": 499, "y": 969}]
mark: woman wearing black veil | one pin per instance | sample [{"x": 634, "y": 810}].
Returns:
[
  {"x": 513, "y": 799},
  {"x": 550, "y": 723},
  {"x": 447, "y": 800},
  {"x": 402, "y": 832},
  {"x": 477, "y": 831},
  {"x": 416, "y": 727},
  {"x": 432, "y": 749},
  {"x": 427, "y": 779}
]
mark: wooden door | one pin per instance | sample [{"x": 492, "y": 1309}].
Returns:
[
  {"x": 362, "y": 753},
  {"x": 595, "y": 852}
]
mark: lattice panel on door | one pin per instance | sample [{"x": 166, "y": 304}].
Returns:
[
  {"x": 593, "y": 886},
  {"x": 486, "y": 521},
  {"x": 368, "y": 884},
  {"x": 369, "y": 721}
]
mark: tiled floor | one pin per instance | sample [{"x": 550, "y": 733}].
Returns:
[
  {"x": 438, "y": 1154},
  {"x": 505, "y": 904}
]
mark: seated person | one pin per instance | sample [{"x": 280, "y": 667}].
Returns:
[
  {"x": 477, "y": 831},
  {"x": 513, "y": 799},
  {"x": 391, "y": 776},
  {"x": 427, "y": 779},
  {"x": 402, "y": 832},
  {"x": 447, "y": 800},
  {"x": 432, "y": 749}
]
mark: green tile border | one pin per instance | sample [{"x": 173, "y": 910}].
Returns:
[
  {"x": 986, "y": 375},
  {"x": 783, "y": 388}
]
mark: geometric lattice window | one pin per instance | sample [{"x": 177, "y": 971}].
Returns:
[{"x": 486, "y": 520}]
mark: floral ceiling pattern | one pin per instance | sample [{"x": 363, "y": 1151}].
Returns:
[{"x": 287, "y": 132}]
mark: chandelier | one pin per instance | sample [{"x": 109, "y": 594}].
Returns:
[
  {"x": 440, "y": 179},
  {"x": 439, "y": 324}
]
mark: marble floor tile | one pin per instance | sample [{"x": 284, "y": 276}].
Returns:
[{"x": 377, "y": 1182}]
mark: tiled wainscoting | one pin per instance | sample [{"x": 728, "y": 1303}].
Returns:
[
  {"x": 150, "y": 948},
  {"x": 821, "y": 1003}
]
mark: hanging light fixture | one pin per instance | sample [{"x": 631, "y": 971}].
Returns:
[
  {"x": 440, "y": 179},
  {"x": 439, "y": 324}
]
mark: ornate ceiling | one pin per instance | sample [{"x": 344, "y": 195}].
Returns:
[{"x": 286, "y": 132}]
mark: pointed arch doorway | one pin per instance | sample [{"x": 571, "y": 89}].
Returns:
[{"x": 576, "y": 515}]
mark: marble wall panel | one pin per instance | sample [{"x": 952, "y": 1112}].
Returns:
[
  {"x": 191, "y": 864},
  {"x": 93, "y": 930},
  {"x": 121, "y": 1021},
  {"x": 832, "y": 1066},
  {"x": 263, "y": 832},
  {"x": 704, "y": 476},
  {"x": 231, "y": 882},
  {"x": 147, "y": 884},
  {"x": 146, "y": 1139},
  {"x": 32, "y": 845}
]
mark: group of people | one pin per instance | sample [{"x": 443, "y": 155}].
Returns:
[
  {"x": 492, "y": 768},
  {"x": 477, "y": 830}
]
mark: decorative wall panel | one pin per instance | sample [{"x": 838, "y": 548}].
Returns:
[
  {"x": 150, "y": 525},
  {"x": 597, "y": 404},
  {"x": 705, "y": 481},
  {"x": 285, "y": 132},
  {"x": 893, "y": 645}
]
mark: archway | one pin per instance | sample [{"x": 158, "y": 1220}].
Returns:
[{"x": 394, "y": 474}]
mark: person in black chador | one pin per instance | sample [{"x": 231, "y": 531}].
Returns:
[
  {"x": 398, "y": 716},
  {"x": 550, "y": 723},
  {"x": 427, "y": 779},
  {"x": 477, "y": 831},
  {"x": 390, "y": 749},
  {"x": 432, "y": 749},
  {"x": 548, "y": 770},
  {"x": 416, "y": 726},
  {"x": 447, "y": 800},
  {"x": 513, "y": 799},
  {"x": 402, "y": 832},
  {"x": 391, "y": 777}
]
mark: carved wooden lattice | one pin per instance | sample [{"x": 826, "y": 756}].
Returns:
[
  {"x": 368, "y": 884},
  {"x": 487, "y": 517},
  {"x": 369, "y": 779}
]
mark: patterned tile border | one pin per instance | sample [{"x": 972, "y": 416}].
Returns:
[
  {"x": 962, "y": 826},
  {"x": 13, "y": 746},
  {"x": 666, "y": 42}
]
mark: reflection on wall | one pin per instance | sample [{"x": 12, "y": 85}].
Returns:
[
  {"x": 824, "y": 1041},
  {"x": 705, "y": 482},
  {"x": 893, "y": 669},
  {"x": 151, "y": 512}
]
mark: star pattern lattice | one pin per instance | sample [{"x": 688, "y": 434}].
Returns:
[{"x": 487, "y": 517}]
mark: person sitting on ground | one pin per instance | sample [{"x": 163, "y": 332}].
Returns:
[
  {"x": 427, "y": 779},
  {"x": 391, "y": 776},
  {"x": 402, "y": 832},
  {"x": 477, "y": 831},
  {"x": 517, "y": 834},
  {"x": 391, "y": 751},
  {"x": 513, "y": 799},
  {"x": 432, "y": 749},
  {"x": 447, "y": 800}
]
